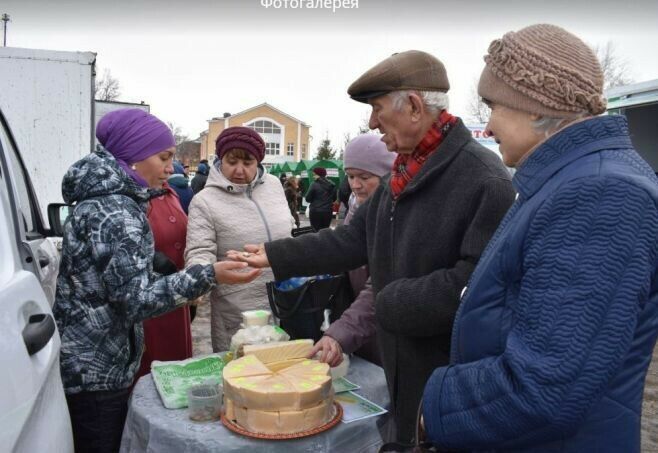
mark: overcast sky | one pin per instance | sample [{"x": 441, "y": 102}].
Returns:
[{"x": 192, "y": 60}]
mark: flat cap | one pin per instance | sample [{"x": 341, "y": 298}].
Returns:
[{"x": 410, "y": 70}]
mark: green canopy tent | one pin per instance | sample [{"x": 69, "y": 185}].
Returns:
[
  {"x": 296, "y": 168},
  {"x": 305, "y": 175},
  {"x": 287, "y": 168},
  {"x": 305, "y": 168},
  {"x": 335, "y": 172},
  {"x": 275, "y": 170}
]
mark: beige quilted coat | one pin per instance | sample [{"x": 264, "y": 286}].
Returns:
[{"x": 225, "y": 216}]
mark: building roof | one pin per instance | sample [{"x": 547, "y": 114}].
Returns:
[
  {"x": 122, "y": 103},
  {"x": 261, "y": 105},
  {"x": 633, "y": 94}
]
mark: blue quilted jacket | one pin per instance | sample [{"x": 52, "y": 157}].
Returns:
[
  {"x": 106, "y": 286},
  {"x": 554, "y": 333}
]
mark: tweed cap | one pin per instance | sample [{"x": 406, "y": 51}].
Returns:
[
  {"x": 545, "y": 70},
  {"x": 243, "y": 138},
  {"x": 410, "y": 70}
]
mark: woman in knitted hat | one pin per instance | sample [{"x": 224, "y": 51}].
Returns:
[
  {"x": 320, "y": 197},
  {"x": 106, "y": 285},
  {"x": 366, "y": 161},
  {"x": 240, "y": 203},
  {"x": 554, "y": 333}
]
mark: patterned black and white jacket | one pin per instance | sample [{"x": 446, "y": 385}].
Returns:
[{"x": 106, "y": 285}]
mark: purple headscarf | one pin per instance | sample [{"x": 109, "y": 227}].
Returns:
[{"x": 132, "y": 135}]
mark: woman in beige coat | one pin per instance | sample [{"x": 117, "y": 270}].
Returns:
[{"x": 240, "y": 204}]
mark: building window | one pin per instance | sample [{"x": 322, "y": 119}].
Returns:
[
  {"x": 265, "y": 127},
  {"x": 272, "y": 148},
  {"x": 304, "y": 151},
  {"x": 291, "y": 150},
  {"x": 271, "y": 134}
]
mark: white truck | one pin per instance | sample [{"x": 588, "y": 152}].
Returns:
[
  {"x": 33, "y": 411},
  {"x": 639, "y": 102},
  {"x": 47, "y": 97}
]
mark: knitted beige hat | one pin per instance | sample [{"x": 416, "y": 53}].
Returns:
[{"x": 545, "y": 70}]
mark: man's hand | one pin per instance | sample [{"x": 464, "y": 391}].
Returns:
[
  {"x": 254, "y": 255},
  {"x": 330, "y": 351},
  {"x": 231, "y": 272}
]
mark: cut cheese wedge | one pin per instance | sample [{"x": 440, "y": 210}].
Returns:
[
  {"x": 278, "y": 366},
  {"x": 280, "y": 422},
  {"x": 279, "y": 351},
  {"x": 278, "y": 392},
  {"x": 286, "y": 385},
  {"x": 246, "y": 366},
  {"x": 307, "y": 367}
]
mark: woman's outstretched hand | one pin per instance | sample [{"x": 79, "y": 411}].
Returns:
[
  {"x": 254, "y": 255},
  {"x": 232, "y": 272}
]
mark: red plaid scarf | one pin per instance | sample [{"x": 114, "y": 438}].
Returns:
[{"x": 406, "y": 166}]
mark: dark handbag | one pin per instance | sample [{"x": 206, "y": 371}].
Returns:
[
  {"x": 301, "y": 310},
  {"x": 303, "y": 230}
]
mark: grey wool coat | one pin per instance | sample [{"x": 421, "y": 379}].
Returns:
[{"x": 421, "y": 250}]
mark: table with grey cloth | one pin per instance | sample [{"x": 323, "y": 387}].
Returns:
[{"x": 150, "y": 427}]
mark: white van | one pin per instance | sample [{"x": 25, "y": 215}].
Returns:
[{"x": 33, "y": 411}]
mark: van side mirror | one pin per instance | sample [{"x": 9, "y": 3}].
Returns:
[{"x": 57, "y": 215}]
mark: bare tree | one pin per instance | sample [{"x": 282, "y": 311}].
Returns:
[
  {"x": 347, "y": 137},
  {"x": 107, "y": 88},
  {"x": 476, "y": 109},
  {"x": 179, "y": 135},
  {"x": 364, "y": 128},
  {"x": 616, "y": 71}
]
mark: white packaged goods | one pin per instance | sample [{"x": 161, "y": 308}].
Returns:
[
  {"x": 341, "y": 370},
  {"x": 256, "y": 335},
  {"x": 256, "y": 318}
]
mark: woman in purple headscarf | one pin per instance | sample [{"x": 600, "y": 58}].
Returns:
[{"x": 107, "y": 285}]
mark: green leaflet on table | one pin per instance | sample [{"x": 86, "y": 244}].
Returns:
[{"x": 172, "y": 379}]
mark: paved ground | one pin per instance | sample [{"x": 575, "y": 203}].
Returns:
[
  {"x": 650, "y": 408},
  {"x": 201, "y": 345}
]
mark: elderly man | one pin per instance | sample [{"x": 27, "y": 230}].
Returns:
[{"x": 421, "y": 233}]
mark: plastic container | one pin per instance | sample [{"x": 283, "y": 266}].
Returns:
[
  {"x": 256, "y": 318},
  {"x": 204, "y": 402},
  {"x": 341, "y": 370}
]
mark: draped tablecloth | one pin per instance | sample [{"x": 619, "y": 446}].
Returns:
[{"x": 150, "y": 427}]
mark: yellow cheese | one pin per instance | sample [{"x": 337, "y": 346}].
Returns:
[
  {"x": 307, "y": 367},
  {"x": 245, "y": 366},
  {"x": 280, "y": 350},
  {"x": 280, "y": 422},
  {"x": 311, "y": 389},
  {"x": 228, "y": 408},
  {"x": 277, "y": 392},
  {"x": 278, "y": 366},
  {"x": 253, "y": 385}
]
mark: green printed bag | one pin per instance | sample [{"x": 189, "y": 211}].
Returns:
[{"x": 173, "y": 379}]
